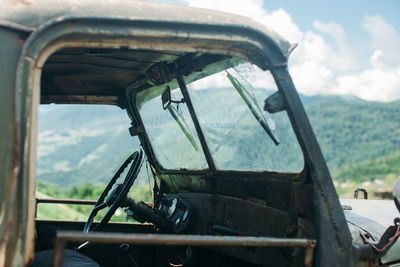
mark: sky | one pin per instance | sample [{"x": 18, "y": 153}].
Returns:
[{"x": 344, "y": 47}]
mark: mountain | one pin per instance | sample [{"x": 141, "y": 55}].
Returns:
[
  {"x": 349, "y": 130},
  {"x": 82, "y": 144}
]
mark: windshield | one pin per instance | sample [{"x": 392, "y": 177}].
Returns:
[{"x": 238, "y": 133}]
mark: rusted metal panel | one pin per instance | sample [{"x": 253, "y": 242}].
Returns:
[
  {"x": 11, "y": 235},
  {"x": 137, "y": 26},
  {"x": 334, "y": 238},
  {"x": 40, "y": 11}
]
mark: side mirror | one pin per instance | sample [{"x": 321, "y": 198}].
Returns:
[
  {"x": 274, "y": 103},
  {"x": 166, "y": 98},
  {"x": 396, "y": 193}
]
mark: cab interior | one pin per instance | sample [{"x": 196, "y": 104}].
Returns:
[{"x": 219, "y": 202}]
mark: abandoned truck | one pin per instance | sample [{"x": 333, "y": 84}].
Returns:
[{"x": 239, "y": 178}]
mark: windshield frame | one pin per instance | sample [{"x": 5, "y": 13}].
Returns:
[{"x": 145, "y": 140}]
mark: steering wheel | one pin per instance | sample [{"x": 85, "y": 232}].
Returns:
[{"x": 117, "y": 195}]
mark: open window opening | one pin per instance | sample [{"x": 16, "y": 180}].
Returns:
[
  {"x": 83, "y": 130},
  {"x": 80, "y": 148}
]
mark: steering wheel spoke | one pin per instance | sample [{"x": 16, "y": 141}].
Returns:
[
  {"x": 118, "y": 196},
  {"x": 100, "y": 207}
]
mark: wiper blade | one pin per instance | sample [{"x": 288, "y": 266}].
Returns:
[
  {"x": 241, "y": 90},
  {"x": 183, "y": 126}
]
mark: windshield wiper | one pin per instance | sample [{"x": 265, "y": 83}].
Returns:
[
  {"x": 241, "y": 90},
  {"x": 178, "y": 115},
  {"x": 180, "y": 120}
]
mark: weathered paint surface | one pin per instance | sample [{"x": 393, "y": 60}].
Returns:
[
  {"x": 10, "y": 49},
  {"x": 39, "y": 12}
]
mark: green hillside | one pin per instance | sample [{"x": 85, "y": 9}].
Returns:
[
  {"x": 351, "y": 130},
  {"x": 376, "y": 176},
  {"x": 57, "y": 212},
  {"x": 378, "y": 168}
]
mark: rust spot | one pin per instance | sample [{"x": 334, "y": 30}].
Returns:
[
  {"x": 20, "y": 38},
  {"x": 3, "y": 254}
]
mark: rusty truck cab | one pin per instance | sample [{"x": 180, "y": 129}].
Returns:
[{"x": 239, "y": 176}]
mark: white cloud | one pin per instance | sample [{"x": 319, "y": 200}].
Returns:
[
  {"x": 341, "y": 58},
  {"x": 385, "y": 42},
  {"x": 373, "y": 84},
  {"x": 381, "y": 81},
  {"x": 322, "y": 67},
  {"x": 279, "y": 20}
]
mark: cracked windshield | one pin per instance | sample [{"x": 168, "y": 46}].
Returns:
[{"x": 238, "y": 133}]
